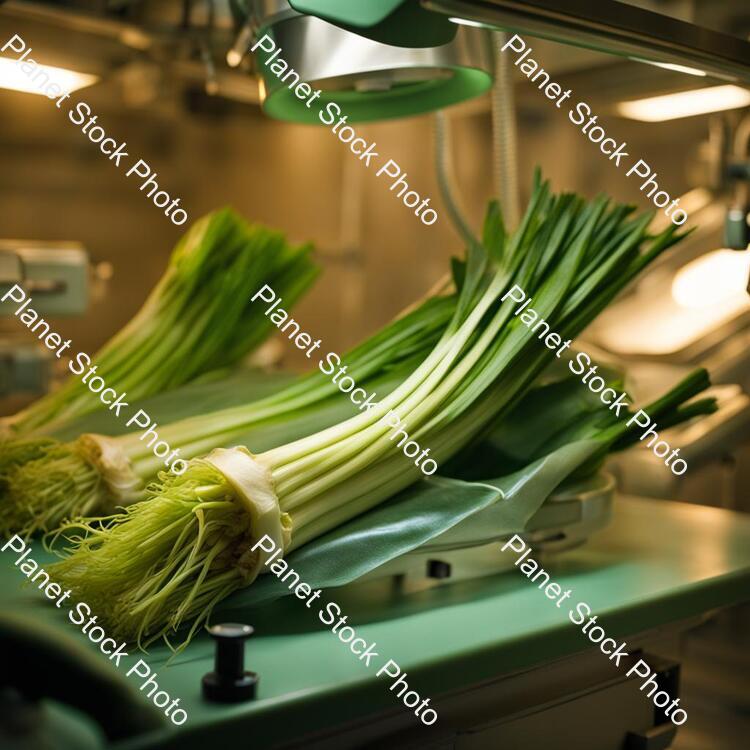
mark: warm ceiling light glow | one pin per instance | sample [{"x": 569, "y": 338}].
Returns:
[
  {"x": 234, "y": 58},
  {"x": 717, "y": 278},
  {"x": 13, "y": 78},
  {"x": 671, "y": 66},
  {"x": 685, "y": 103},
  {"x": 262, "y": 92}
]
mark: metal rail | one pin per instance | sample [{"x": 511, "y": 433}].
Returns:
[{"x": 612, "y": 27}]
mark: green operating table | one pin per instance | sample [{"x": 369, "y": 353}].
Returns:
[{"x": 483, "y": 650}]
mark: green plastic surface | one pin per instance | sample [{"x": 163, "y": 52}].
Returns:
[{"x": 659, "y": 562}]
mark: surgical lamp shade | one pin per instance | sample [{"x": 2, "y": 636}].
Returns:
[
  {"x": 369, "y": 80},
  {"x": 403, "y": 23}
]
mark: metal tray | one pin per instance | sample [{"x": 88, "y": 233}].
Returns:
[{"x": 469, "y": 550}]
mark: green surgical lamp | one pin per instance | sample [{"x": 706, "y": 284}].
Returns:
[
  {"x": 378, "y": 59},
  {"x": 402, "y": 23}
]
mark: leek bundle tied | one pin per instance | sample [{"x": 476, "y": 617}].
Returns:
[{"x": 175, "y": 556}]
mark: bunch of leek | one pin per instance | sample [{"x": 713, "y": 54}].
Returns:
[
  {"x": 94, "y": 474},
  {"x": 173, "y": 557},
  {"x": 198, "y": 318},
  {"x": 555, "y": 437}
]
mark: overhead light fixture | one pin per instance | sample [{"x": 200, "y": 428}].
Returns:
[
  {"x": 371, "y": 80},
  {"x": 672, "y": 66},
  {"x": 685, "y": 103},
  {"x": 13, "y": 78}
]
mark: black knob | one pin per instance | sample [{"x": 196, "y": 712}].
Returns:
[
  {"x": 438, "y": 569},
  {"x": 229, "y": 682}
]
